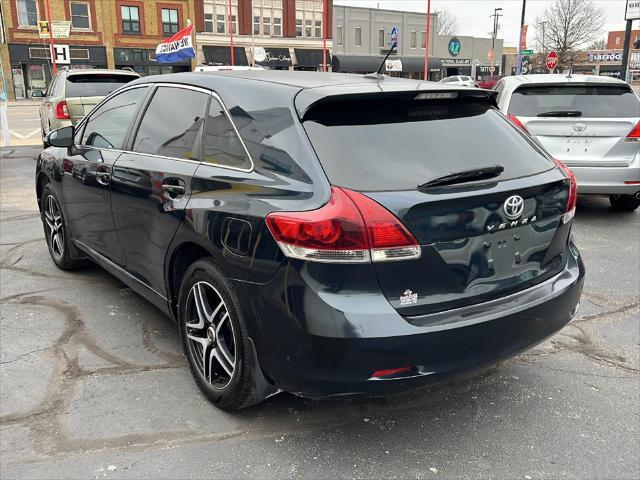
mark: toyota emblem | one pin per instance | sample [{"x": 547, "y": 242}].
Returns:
[
  {"x": 580, "y": 127},
  {"x": 513, "y": 207}
]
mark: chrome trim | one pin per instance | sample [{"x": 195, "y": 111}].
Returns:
[{"x": 101, "y": 257}]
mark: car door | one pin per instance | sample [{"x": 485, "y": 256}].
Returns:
[
  {"x": 88, "y": 165},
  {"x": 47, "y": 105},
  {"x": 151, "y": 182}
]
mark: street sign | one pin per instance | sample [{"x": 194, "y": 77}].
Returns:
[
  {"x": 394, "y": 36},
  {"x": 394, "y": 65},
  {"x": 59, "y": 29},
  {"x": 633, "y": 10},
  {"x": 62, "y": 54},
  {"x": 492, "y": 69},
  {"x": 527, "y": 52},
  {"x": 552, "y": 61}
]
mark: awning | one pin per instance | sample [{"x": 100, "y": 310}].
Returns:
[
  {"x": 215, "y": 55},
  {"x": 371, "y": 63},
  {"x": 309, "y": 57},
  {"x": 272, "y": 57}
]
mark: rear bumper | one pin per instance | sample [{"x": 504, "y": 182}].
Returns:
[
  {"x": 608, "y": 180},
  {"x": 339, "y": 357}
]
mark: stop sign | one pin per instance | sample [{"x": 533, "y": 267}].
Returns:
[{"x": 552, "y": 61}]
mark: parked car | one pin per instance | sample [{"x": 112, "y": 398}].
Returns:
[
  {"x": 489, "y": 81},
  {"x": 323, "y": 234},
  {"x": 223, "y": 68},
  {"x": 462, "y": 80},
  {"x": 73, "y": 93},
  {"x": 590, "y": 123}
]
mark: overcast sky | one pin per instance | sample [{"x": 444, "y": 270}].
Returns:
[{"x": 473, "y": 15}]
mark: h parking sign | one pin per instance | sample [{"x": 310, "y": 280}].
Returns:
[{"x": 61, "y": 54}]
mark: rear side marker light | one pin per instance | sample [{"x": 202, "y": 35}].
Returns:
[
  {"x": 517, "y": 122},
  {"x": 62, "y": 113},
  {"x": 350, "y": 228},
  {"x": 391, "y": 372},
  {"x": 634, "y": 134},
  {"x": 573, "y": 192}
]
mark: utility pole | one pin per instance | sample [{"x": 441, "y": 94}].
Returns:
[
  {"x": 625, "y": 52},
  {"x": 231, "y": 32},
  {"x": 253, "y": 35},
  {"x": 519, "y": 65},
  {"x": 496, "y": 16},
  {"x": 324, "y": 35},
  {"x": 426, "y": 42},
  {"x": 53, "y": 53}
]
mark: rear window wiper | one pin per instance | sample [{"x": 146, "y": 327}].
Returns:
[
  {"x": 482, "y": 173},
  {"x": 561, "y": 113}
]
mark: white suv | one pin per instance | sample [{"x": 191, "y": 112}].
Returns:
[{"x": 590, "y": 123}]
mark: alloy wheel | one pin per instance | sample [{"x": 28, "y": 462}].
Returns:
[
  {"x": 210, "y": 335},
  {"x": 55, "y": 227}
]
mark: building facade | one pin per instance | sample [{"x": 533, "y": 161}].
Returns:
[
  {"x": 615, "y": 40},
  {"x": 274, "y": 34},
  {"x": 103, "y": 34},
  {"x": 362, "y": 37}
]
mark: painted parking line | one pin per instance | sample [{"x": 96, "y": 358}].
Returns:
[{"x": 21, "y": 136}]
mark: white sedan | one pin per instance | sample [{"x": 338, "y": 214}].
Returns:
[{"x": 461, "y": 80}]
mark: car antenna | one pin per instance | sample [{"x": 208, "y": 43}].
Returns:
[{"x": 378, "y": 75}]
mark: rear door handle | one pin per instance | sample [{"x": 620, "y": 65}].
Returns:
[{"x": 175, "y": 190}]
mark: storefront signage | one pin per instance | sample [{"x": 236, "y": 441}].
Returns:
[
  {"x": 59, "y": 29},
  {"x": 394, "y": 65},
  {"x": 454, "y": 47},
  {"x": 264, "y": 56},
  {"x": 605, "y": 56},
  {"x": 633, "y": 10},
  {"x": 456, "y": 61}
]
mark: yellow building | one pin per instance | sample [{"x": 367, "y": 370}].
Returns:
[{"x": 103, "y": 34}]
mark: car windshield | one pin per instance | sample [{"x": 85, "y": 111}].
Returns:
[
  {"x": 398, "y": 144},
  {"x": 591, "y": 101},
  {"x": 95, "y": 84}
]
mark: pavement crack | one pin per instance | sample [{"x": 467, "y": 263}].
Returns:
[{"x": 27, "y": 354}]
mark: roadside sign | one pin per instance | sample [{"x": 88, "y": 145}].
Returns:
[
  {"x": 59, "y": 29},
  {"x": 552, "y": 61},
  {"x": 633, "y": 10},
  {"x": 394, "y": 36},
  {"x": 62, "y": 54},
  {"x": 527, "y": 52},
  {"x": 492, "y": 69},
  {"x": 393, "y": 65}
]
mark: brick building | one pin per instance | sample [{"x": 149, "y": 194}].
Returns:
[
  {"x": 104, "y": 34},
  {"x": 286, "y": 34},
  {"x": 615, "y": 40}
]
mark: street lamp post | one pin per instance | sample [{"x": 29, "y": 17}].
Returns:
[
  {"x": 496, "y": 17},
  {"x": 519, "y": 65},
  {"x": 426, "y": 43}
]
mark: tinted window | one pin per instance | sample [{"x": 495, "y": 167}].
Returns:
[
  {"x": 108, "y": 124},
  {"x": 398, "y": 144},
  {"x": 95, "y": 84},
  {"x": 221, "y": 144},
  {"x": 172, "y": 123},
  {"x": 604, "y": 101}
]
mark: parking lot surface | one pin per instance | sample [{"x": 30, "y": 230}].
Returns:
[{"x": 93, "y": 383}]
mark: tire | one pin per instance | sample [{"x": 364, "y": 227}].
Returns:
[
  {"x": 56, "y": 232},
  {"x": 208, "y": 336},
  {"x": 624, "y": 203}
]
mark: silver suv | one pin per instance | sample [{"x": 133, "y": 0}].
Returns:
[
  {"x": 73, "y": 93},
  {"x": 589, "y": 123}
]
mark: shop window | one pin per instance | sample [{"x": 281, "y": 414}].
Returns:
[
  {"x": 381, "y": 38},
  {"x": 130, "y": 19},
  {"x": 80, "y": 18},
  {"x": 340, "y": 35},
  {"x": 169, "y": 21},
  {"x": 27, "y": 13},
  {"x": 216, "y": 17},
  {"x": 413, "y": 38},
  {"x": 424, "y": 39},
  {"x": 358, "y": 37}
]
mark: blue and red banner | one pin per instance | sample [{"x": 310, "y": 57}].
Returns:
[{"x": 176, "y": 48}]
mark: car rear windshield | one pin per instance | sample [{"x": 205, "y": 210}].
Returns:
[
  {"x": 96, "y": 84},
  {"x": 592, "y": 101},
  {"x": 398, "y": 144}
]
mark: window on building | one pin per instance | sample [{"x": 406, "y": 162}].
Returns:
[
  {"x": 130, "y": 19},
  {"x": 358, "y": 41},
  {"x": 424, "y": 39},
  {"x": 414, "y": 39},
  {"x": 381, "y": 39},
  {"x": 27, "y": 13},
  {"x": 80, "y": 16},
  {"x": 267, "y": 18},
  {"x": 169, "y": 21},
  {"x": 221, "y": 144},
  {"x": 617, "y": 40},
  {"x": 216, "y": 17},
  {"x": 340, "y": 35},
  {"x": 309, "y": 19}
]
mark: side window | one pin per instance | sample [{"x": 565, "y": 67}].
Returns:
[
  {"x": 498, "y": 87},
  {"x": 108, "y": 124},
  {"x": 172, "y": 123},
  {"x": 221, "y": 143}
]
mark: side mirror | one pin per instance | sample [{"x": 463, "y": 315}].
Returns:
[
  {"x": 61, "y": 137},
  {"x": 37, "y": 93}
]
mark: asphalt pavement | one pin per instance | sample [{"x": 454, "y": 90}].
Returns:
[{"x": 93, "y": 383}]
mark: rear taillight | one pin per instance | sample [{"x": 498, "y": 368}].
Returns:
[
  {"x": 61, "y": 111},
  {"x": 634, "y": 134},
  {"x": 517, "y": 122},
  {"x": 573, "y": 192},
  {"x": 350, "y": 228}
]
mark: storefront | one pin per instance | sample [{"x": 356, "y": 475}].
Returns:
[
  {"x": 273, "y": 58},
  {"x": 31, "y": 64},
  {"x": 219, "y": 55},
  {"x": 456, "y": 66},
  {"x": 310, "y": 59},
  {"x": 143, "y": 61}
]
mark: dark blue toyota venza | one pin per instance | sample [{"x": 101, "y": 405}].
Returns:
[{"x": 323, "y": 234}]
